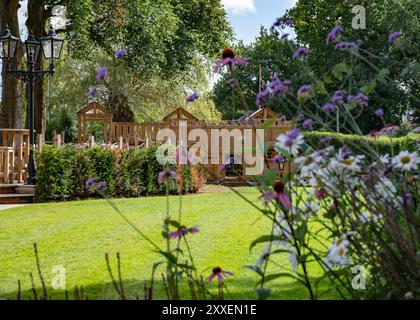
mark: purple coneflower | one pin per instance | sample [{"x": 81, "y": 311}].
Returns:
[
  {"x": 346, "y": 45},
  {"x": 229, "y": 58},
  {"x": 394, "y": 36},
  {"x": 219, "y": 274},
  {"x": 301, "y": 51},
  {"x": 335, "y": 32},
  {"x": 193, "y": 97},
  {"x": 328, "y": 107},
  {"x": 120, "y": 53},
  {"x": 379, "y": 113},
  {"x": 282, "y": 196},
  {"x": 183, "y": 231},
  {"x": 268, "y": 197},
  {"x": 167, "y": 175},
  {"x": 101, "y": 73},
  {"x": 320, "y": 194}
]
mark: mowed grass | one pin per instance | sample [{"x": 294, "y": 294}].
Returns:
[{"x": 76, "y": 235}]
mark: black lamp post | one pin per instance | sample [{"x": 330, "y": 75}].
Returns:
[{"x": 51, "y": 46}]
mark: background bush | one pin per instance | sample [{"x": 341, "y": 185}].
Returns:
[
  {"x": 360, "y": 144},
  {"x": 62, "y": 172}
]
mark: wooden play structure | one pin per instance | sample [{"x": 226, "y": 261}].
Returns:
[
  {"x": 144, "y": 134},
  {"x": 14, "y": 154},
  {"x": 14, "y": 149}
]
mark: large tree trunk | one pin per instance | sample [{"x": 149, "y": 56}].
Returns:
[
  {"x": 36, "y": 22},
  {"x": 11, "y": 111}
]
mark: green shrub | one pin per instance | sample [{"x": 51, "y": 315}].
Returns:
[
  {"x": 365, "y": 145},
  {"x": 62, "y": 172}
]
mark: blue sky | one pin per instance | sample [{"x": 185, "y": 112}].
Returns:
[{"x": 247, "y": 16}]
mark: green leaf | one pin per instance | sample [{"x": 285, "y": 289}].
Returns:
[
  {"x": 174, "y": 223},
  {"x": 343, "y": 67},
  {"x": 263, "y": 239},
  {"x": 320, "y": 87},
  {"x": 370, "y": 87},
  {"x": 267, "y": 123},
  {"x": 256, "y": 269},
  {"x": 337, "y": 74},
  {"x": 328, "y": 79},
  {"x": 382, "y": 75},
  {"x": 268, "y": 178}
]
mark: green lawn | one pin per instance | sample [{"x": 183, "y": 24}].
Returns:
[{"x": 76, "y": 235}]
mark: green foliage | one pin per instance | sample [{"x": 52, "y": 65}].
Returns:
[
  {"x": 382, "y": 145},
  {"x": 62, "y": 173},
  {"x": 398, "y": 62}
]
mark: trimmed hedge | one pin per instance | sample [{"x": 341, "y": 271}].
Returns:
[
  {"x": 62, "y": 172},
  {"x": 359, "y": 144}
]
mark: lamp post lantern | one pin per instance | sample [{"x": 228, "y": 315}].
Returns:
[{"x": 51, "y": 45}]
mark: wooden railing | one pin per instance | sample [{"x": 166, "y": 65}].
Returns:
[
  {"x": 14, "y": 155},
  {"x": 138, "y": 133}
]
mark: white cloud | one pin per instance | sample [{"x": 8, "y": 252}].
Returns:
[{"x": 239, "y": 6}]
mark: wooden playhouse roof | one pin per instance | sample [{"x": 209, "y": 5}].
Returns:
[
  {"x": 263, "y": 114},
  {"x": 180, "y": 114}
]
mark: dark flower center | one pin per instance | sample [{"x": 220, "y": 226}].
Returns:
[
  {"x": 228, "y": 53},
  {"x": 217, "y": 270},
  {"x": 278, "y": 186},
  {"x": 405, "y": 160}
]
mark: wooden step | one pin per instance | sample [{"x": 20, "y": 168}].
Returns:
[
  {"x": 14, "y": 198},
  {"x": 25, "y": 189},
  {"x": 7, "y": 188}
]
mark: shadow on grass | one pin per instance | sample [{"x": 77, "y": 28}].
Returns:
[{"x": 134, "y": 289}]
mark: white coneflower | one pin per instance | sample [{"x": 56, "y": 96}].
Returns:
[
  {"x": 337, "y": 255},
  {"x": 308, "y": 164},
  {"x": 290, "y": 142},
  {"x": 406, "y": 161}
]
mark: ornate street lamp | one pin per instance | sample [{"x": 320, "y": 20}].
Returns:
[{"x": 51, "y": 46}]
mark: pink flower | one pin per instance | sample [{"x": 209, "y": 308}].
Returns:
[
  {"x": 320, "y": 194},
  {"x": 282, "y": 196},
  {"x": 183, "y": 231},
  {"x": 230, "y": 61},
  {"x": 219, "y": 274}
]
